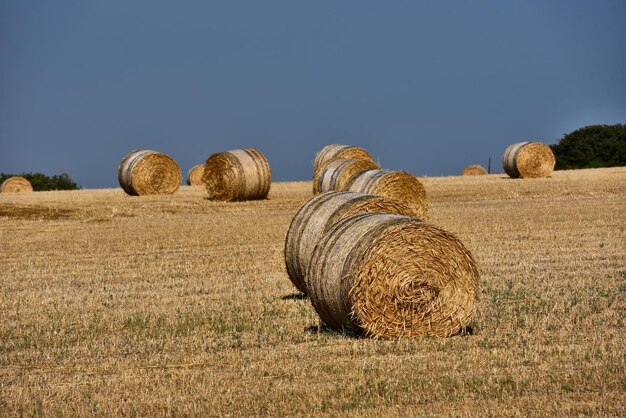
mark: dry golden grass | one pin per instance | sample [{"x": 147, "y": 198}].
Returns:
[{"x": 173, "y": 304}]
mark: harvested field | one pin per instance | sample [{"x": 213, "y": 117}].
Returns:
[{"x": 174, "y": 304}]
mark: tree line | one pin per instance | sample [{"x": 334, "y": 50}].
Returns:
[{"x": 42, "y": 182}]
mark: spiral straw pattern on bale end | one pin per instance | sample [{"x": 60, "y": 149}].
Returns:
[
  {"x": 194, "y": 176},
  {"x": 474, "y": 170},
  {"x": 242, "y": 174},
  {"x": 339, "y": 173},
  {"x": 397, "y": 185},
  {"x": 317, "y": 215},
  {"x": 528, "y": 160},
  {"x": 147, "y": 172},
  {"x": 334, "y": 151},
  {"x": 392, "y": 276},
  {"x": 16, "y": 184}
]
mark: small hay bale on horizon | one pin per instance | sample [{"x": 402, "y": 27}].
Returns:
[
  {"x": 317, "y": 215},
  {"x": 338, "y": 174},
  {"x": 391, "y": 276},
  {"x": 474, "y": 170},
  {"x": 16, "y": 184},
  {"x": 242, "y": 174},
  {"x": 194, "y": 175},
  {"x": 148, "y": 172},
  {"x": 528, "y": 160},
  {"x": 397, "y": 185},
  {"x": 334, "y": 151}
]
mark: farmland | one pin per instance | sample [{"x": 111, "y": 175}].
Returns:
[{"x": 111, "y": 304}]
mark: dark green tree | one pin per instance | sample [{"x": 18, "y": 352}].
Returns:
[
  {"x": 41, "y": 182},
  {"x": 591, "y": 147}
]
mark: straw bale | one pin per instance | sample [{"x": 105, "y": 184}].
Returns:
[
  {"x": 392, "y": 276},
  {"x": 194, "y": 176},
  {"x": 242, "y": 174},
  {"x": 334, "y": 151},
  {"x": 16, "y": 184},
  {"x": 339, "y": 173},
  {"x": 317, "y": 215},
  {"x": 474, "y": 170},
  {"x": 528, "y": 160},
  {"x": 398, "y": 185},
  {"x": 147, "y": 172}
]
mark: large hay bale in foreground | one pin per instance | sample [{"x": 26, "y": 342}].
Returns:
[
  {"x": 194, "y": 176},
  {"x": 392, "y": 276},
  {"x": 334, "y": 151},
  {"x": 339, "y": 173},
  {"x": 147, "y": 172},
  {"x": 317, "y": 215},
  {"x": 528, "y": 160},
  {"x": 474, "y": 170},
  {"x": 242, "y": 174},
  {"x": 398, "y": 185},
  {"x": 16, "y": 184}
]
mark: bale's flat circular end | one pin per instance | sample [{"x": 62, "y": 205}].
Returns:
[
  {"x": 393, "y": 276},
  {"x": 194, "y": 176},
  {"x": 338, "y": 174},
  {"x": 242, "y": 174},
  {"x": 334, "y": 151},
  {"x": 397, "y": 185},
  {"x": 16, "y": 184},
  {"x": 147, "y": 172},
  {"x": 528, "y": 160},
  {"x": 474, "y": 170}
]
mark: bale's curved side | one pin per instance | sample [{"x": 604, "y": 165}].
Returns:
[
  {"x": 397, "y": 185},
  {"x": 194, "y": 176},
  {"x": 16, "y": 184},
  {"x": 339, "y": 173},
  {"x": 317, "y": 215},
  {"x": 392, "y": 276},
  {"x": 474, "y": 170},
  {"x": 334, "y": 151},
  {"x": 147, "y": 172},
  {"x": 242, "y": 174},
  {"x": 508, "y": 159}
]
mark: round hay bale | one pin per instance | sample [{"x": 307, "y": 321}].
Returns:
[
  {"x": 528, "y": 160},
  {"x": 334, "y": 151},
  {"x": 474, "y": 170},
  {"x": 147, "y": 172},
  {"x": 242, "y": 174},
  {"x": 317, "y": 215},
  {"x": 194, "y": 176},
  {"x": 398, "y": 185},
  {"x": 392, "y": 276},
  {"x": 339, "y": 173},
  {"x": 16, "y": 184}
]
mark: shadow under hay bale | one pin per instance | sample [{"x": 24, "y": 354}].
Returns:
[
  {"x": 147, "y": 172},
  {"x": 194, "y": 176},
  {"x": 16, "y": 184},
  {"x": 392, "y": 276},
  {"x": 339, "y": 173},
  {"x": 474, "y": 170},
  {"x": 236, "y": 175},
  {"x": 317, "y": 215},
  {"x": 397, "y": 185},
  {"x": 528, "y": 160},
  {"x": 334, "y": 151}
]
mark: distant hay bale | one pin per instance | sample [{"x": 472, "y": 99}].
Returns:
[
  {"x": 474, "y": 170},
  {"x": 339, "y": 173},
  {"x": 392, "y": 276},
  {"x": 334, "y": 151},
  {"x": 398, "y": 185},
  {"x": 194, "y": 176},
  {"x": 528, "y": 160},
  {"x": 147, "y": 172},
  {"x": 317, "y": 215},
  {"x": 242, "y": 174},
  {"x": 16, "y": 184}
]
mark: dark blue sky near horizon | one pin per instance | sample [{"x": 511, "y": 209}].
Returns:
[{"x": 426, "y": 87}]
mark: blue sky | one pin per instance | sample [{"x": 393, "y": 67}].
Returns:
[{"x": 427, "y": 87}]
